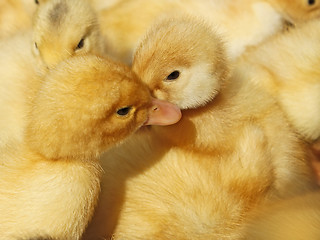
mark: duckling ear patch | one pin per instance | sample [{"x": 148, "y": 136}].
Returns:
[
  {"x": 58, "y": 11},
  {"x": 196, "y": 87}
]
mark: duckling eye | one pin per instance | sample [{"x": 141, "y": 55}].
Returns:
[
  {"x": 123, "y": 111},
  {"x": 80, "y": 44},
  {"x": 36, "y": 1},
  {"x": 311, "y": 2},
  {"x": 174, "y": 75},
  {"x": 36, "y": 45}
]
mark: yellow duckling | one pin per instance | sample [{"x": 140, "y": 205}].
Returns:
[
  {"x": 286, "y": 66},
  {"x": 232, "y": 150},
  {"x": 63, "y": 28},
  {"x": 49, "y": 183}
]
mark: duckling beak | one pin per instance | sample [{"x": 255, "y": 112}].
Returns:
[{"x": 163, "y": 113}]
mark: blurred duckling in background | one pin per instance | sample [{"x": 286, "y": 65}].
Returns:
[
  {"x": 201, "y": 177},
  {"x": 18, "y": 67},
  {"x": 15, "y": 16},
  {"x": 286, "y": 66},
  {"x": 295, "y": 219},
  {"x": 63, "y": 28},
  {"x": 243, "y": 22},
  {"x": 50, "y": 182}
]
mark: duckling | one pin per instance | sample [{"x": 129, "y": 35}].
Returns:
[
  {"x": 49, "y": 183},
  {"x": 201, "y": 177},
  {"x": 296, "y": 218},
  {"x": 124, "y": 23},
  {"x": 63, "y": 28},
  {"x": 18, "y": 64},
  {"x": 285, "y": 66}
]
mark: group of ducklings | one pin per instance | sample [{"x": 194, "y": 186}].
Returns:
[{"x": 147, "y": 119}]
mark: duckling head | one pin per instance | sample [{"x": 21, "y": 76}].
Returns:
[
  {"x": 183, "y": 61},
  {"x": 63, "y": 28},
  {"x": 87, "y": 104}
]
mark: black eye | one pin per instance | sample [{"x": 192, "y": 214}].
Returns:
[
  {"x": 36, "y": 45},
  {"x": 174, "y": 75},
  {"x": 80, "y": 44},
  {"x": 36, "y": 1},
  {"x": 123, "y": 111},
  {"x": 311, "y": 2}
]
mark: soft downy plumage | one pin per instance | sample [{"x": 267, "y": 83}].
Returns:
[
  {"x": 50, "y": 180},
  {"x": 202, "y": 177}
]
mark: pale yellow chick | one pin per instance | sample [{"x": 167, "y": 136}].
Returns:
[
  {"x": 286, "y": 66},
  {"x": 232, "y": 151}
]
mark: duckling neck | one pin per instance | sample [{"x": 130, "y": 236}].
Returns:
[
  {"x": 203, "y": 129},
  {"x": 193, "y": 131}
]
